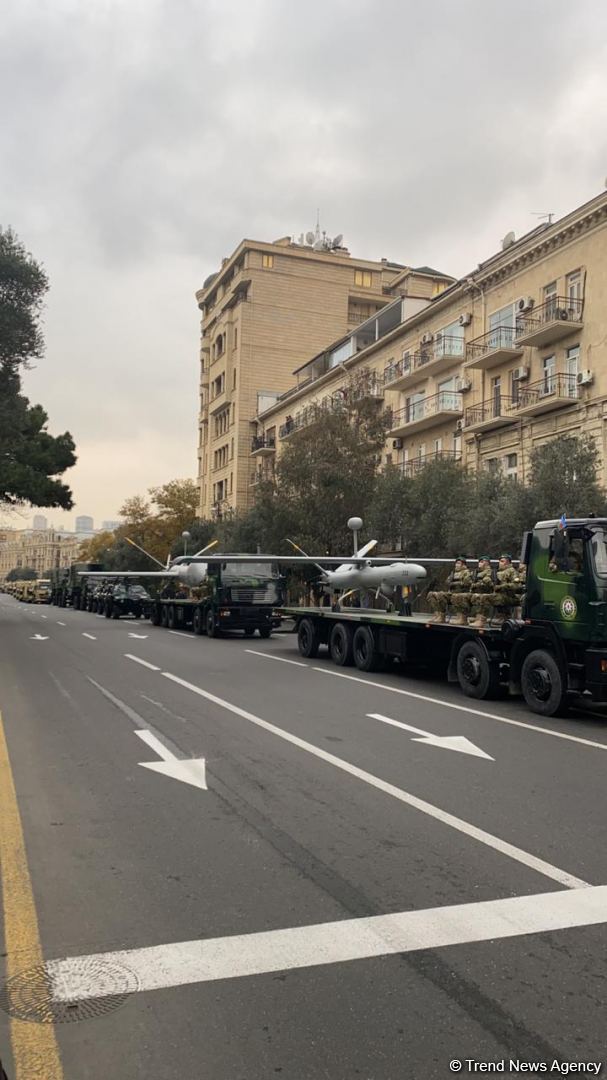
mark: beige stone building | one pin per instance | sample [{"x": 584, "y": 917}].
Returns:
[
  {"x": 511, "y": 355},
  {"x": 41, "y": 551},
  {"x": 269, "y": 308}
]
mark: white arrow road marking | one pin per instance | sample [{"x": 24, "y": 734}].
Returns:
[
  {"x": 90, "y": 636},
  {"x": 182, "y": 963},
  {"x": 44, "y": 616},
  {"x": 495, "y": 842},
  {"x": 190, "y": 770},
  {"x": 38, "y": 637},
  {"x": 446, "y": 742},
  {"x": 61, "y": 624},
  {"x": 142, "y": 636}
]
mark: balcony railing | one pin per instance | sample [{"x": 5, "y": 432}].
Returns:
[
  {"x": 491, "y": 413},
  {"x": 550, "y": 321},
  {"x": 263, "y": 442},
  {"x": 415, "y": 465},
  {"x": 446, "y": 401},
  {"x": 493, "y": 347},
  {"x": 336, "y": 402},
  {"x": 540, "y": 396},
  {"x": 446, "y": 347}
]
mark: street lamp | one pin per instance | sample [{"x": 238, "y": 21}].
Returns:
[{"x": 186, "y": 536}]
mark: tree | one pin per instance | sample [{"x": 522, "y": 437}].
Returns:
[
  {"x": 437, "y": 495},
  {"x": 389, "y": 511},
  {"x": 21, "y": 573},
  {"x": 31, "y": 460},
  {"x": 564, "y": 478}
]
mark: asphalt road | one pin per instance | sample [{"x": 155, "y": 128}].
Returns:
[{"x": 234, "y": 931}]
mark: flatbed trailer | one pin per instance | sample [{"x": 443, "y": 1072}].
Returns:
[{"x": 554, "y": 654}]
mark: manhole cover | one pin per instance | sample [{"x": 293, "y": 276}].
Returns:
[{"x": 27, "y": 996}]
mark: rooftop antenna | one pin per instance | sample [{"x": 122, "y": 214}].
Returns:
[{"x": 547, "y": 214}]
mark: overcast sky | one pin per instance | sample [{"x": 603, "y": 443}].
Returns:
[{"x": 141, "y": 140}]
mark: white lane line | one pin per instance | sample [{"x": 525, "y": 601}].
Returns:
[
  {"x": 144, "y": 663},
  {"x": 268, "y": 656},
  {"x": 465, "y": 827},
  {"x": 464, "y": 708},
  {"x": 180, "y": 633},
  {"x": 90, "y": 636},
  {"x": 44, "y": 616},
  {"x": 182, "y": 963},
  {"x": 60, "y": 623}
]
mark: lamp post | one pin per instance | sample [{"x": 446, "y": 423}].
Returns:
[{"x": 186, "y": 536}]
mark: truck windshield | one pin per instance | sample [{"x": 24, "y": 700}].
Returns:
[
  {"x": 246, "y": 572},
  {"x": 598, "y": 544}
]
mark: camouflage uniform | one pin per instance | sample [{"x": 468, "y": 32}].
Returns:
[
  {"x": 507, "y": 589},
  {"x": 481, "y": 598},
  {"x": 458, "y": 584}
]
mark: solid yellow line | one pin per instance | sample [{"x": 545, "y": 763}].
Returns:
[{"x": 35, "y": 1049}]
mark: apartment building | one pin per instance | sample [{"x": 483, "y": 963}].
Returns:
[
  {"x": 40, "y": 551},
  {"x": 511, "y": 355},
  {"x": 268, "y": 309}
]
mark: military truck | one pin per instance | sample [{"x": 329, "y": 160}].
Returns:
[
  {"x": 233, "y": 596},
  {"x": 68, "y": 589},
  {"x": 124, "y": 598},
  {"x": 41, "y": 591},
  {"x": 554, "y": 654}
]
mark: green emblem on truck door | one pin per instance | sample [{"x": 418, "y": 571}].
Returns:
[{"x": 568, "y": 607}]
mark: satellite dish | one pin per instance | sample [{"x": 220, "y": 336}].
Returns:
[
  {"x": 338, "y": 240},
  {"x": 310, "y": 237},
  {"x": 508, "y": 240}
]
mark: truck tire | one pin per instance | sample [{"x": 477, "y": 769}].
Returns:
[
  {"x": 164, "y": 614},
  {"x": 107, "y": 609},
  {"x": 476, "y": 675},
  {"x": 115, "y": 611},
  {"x": 340, "y": 645},
  {"x": 155, "y": 615},
  {"x": 171, "y": 616},
  {"x": 307, "y": 639},
  {"x": 366, "y": 656},
  {"x": 264, "y": 631},
  {"x": 249, "y": 631},
  {"x": 543, "y": 684},
  {"x": 198, "y": 621},
  {"x": 211, "y": 624}
]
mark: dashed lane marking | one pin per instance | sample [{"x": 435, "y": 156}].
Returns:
[
  {"x": 144, "y": 663},
  {"x": 90, "y": 636},
  {"x": 270, "y": 656}
]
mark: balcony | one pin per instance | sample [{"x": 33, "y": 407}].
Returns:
[
  {"x": 493, "y": 413},
  {"x": 369, "y": 386},
  {"x": 557, "y": 318},
  {"x": 446, "y": 351},
  {"x": 551, "y": 392},
  {"x": 263, "y": 446},
  {"x": 492, "y": 349},
  {"x": 413, "y": 467},
  {"x": 426, "y": 413}
]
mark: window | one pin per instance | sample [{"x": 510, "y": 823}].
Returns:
[
  {"x": 496, "y": 394},
  {"x": 450, "y": 341},
  {"x": 362, "y": 278},
  {"x": 574, "y": 285},
  {"x": 502, "y": 323},
  {"x": 437, "y": 447},
  {"x": 438, "y": 287},
  {"x": 511, "y": 465},
  {"x": 235, "y": 337},
  {"x": 572, "y": 366},
  {"x": 267, "y": 261},
  {"x": 550, "y": 297},
  {"x": 234, "y": 379},
  {"x": 549, "y": 376},
  {"x": 514, "y": 386},
  {"x": 415, "y": 407},
  {"x": 219, "y": 345}
]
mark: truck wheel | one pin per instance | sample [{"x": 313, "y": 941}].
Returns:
[
  {"x": 477, "y": 677},
  {"x": 107, "y": 610},
  {"x": 171, "y": 616},
  {"x": 155, "y": 615},
  {"x": 543, "y": 684},
  {"x": 249, "y": 631},
  {"x": 164, "y": 614},
  {"x": 340, "y": 645},
  {"x": 115, "y": 611},
  {"x": 211, "y": 621},
  {"x": 366, "y": 656},
  {"x": 198, "y": 621},
  {"x": 265, "y": 631},
  {"x": 307, "y": 638}
]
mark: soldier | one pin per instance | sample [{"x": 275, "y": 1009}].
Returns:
[
  {"x": 481, "y": 599},
  {"x": 522, "y": 578},
  {"x": 507, "y": 588},
  {"x": 458, "y": 585}
]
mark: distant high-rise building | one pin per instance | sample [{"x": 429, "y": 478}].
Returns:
[
  {"x": 40, "y": 523},
  {"x": 84, "y": 524},
  {"x": 110, "y": 526}
]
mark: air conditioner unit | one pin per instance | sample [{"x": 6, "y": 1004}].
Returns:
[
  {"x": 427, "y": 339},
  {"x": 525, "y": 303},
  {"x": 459, "y": 425},
  {"x": 520, "y": 373},
  {"x": 584, "y": 378},
  {"x": 463, "y": 385},
  {"x": 561, "y": 313},
  {"x": 397, "y": 444},
  {"x": 465, "y": 319}
]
